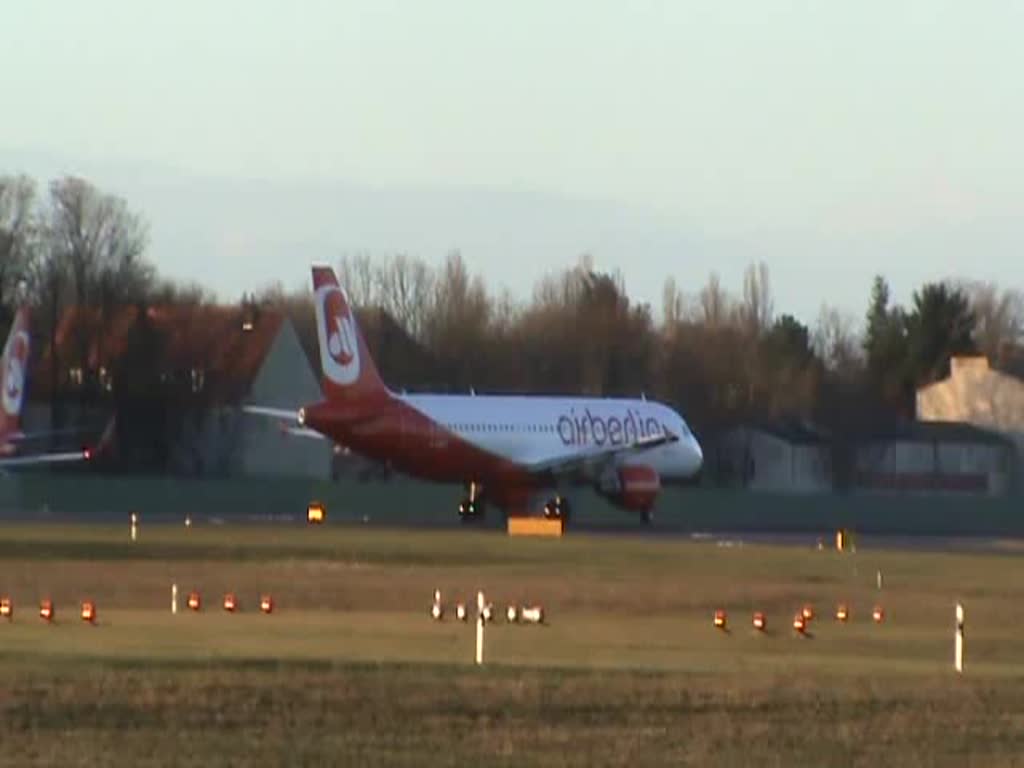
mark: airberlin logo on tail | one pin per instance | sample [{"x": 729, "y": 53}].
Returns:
[
  {"x": 15, "y": 360},
  {"x": 339, "y": 343}
]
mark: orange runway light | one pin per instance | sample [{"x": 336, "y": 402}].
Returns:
[
  {"x": 720, "y": 619},
  {"x": 89, "y": 611},
  {"x": 266, "y": 604},
  {"x": 315, "y": 513},
  {"x": 878, "y": 614},
  {"x": 760, "y": 623},
  {"x": 799, "y": 623},
  {"x": 6, "y": 608},
  {"x": 194, "y": 601},
  {"x": 460, "y": 612},
  {"x": 230, "y": 602},
  {"x": 807, "y": 612},
  {"x": 842, "y": 612},
  {"x": 46, "y": 610}
]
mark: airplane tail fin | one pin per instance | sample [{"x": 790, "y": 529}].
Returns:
[
  {"x": 13, "y": 372},
  {"x": 349, "y": 373}
]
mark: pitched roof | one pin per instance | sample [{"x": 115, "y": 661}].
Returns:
[{"x": 227, "y": 343}]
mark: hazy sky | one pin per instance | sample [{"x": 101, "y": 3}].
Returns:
[{"x": 832, "y": 140}]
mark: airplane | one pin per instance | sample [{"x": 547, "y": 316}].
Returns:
[
  {"x": 13, "y": 372},
  {"x": 507, "y": 450}
]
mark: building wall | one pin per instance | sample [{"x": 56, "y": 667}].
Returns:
[
  {"x": 977, "y": 395},
  {"x": 943, "y": 467},
  {"x": 761, "y": 461}
]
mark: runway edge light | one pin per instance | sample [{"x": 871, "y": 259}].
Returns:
[
  {"x": 230, "y": 602},
  {"x": 194, "y": 600},
  {"x": 759, "y": 621},
  {"x": 878, "y": 614},
  {"x": 799, "y": 624},
  {"x": 720, "y": 619},
  {"x": 842, "y": 612},
  {"x": 89, "y": 611},
  {"x": 533, "y": 614},
  {"x": 46, "y": 611},
  {"x": 266, "y": 604},
  {"x": 6, "y": 608}
]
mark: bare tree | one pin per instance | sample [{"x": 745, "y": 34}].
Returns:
[
  {"x": 18, "y": 230},
  {"x": 457, "y": 328},
  {"x": 359, "y": 274},
  {"x": 999, "y": 315},
  {"x": 757, "y": 309},
  {"x": 672, "y": 304},
  {"x": 100, "y": 240},
  {"x": 835, "y": 342},
  {"x": 406, "y": 288},
  {"x": 715, "y": 304}
]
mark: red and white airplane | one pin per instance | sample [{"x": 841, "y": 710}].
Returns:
[
  {"x": 512, "y": 451},
  {"x": 13, "y": 372}
]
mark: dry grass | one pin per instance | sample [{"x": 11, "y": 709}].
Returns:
[
  {"x": 629, "y": 671},
  {"x": 415, "y": 715}
]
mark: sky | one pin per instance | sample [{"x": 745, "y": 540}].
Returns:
[{"x": 833, "y": 141}]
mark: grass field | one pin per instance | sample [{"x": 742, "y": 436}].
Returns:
[{"x": 629, "y": 670}]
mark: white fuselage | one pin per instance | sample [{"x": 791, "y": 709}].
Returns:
[{"x": 528, "y": 430}]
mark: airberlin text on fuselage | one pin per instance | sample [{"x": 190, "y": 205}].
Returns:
[{"x": 583, "y": 428}]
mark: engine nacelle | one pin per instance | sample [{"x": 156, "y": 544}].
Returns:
[{"x": 634, "y": 487}]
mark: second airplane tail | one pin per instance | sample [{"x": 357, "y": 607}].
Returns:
[
  {"x": 349, "y": 373},
  {"x": 13, "y": 372}
]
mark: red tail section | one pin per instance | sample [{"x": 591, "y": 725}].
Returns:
[
  {"x": 13, "y": 372},
  {"x": 349, "y": 373}
]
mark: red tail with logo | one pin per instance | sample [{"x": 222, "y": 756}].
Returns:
[
  {"x": 349, "y": 374},
  {"x": 13, "y": 371}
]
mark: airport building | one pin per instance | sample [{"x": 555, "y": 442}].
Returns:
[
  {"x": 917, "y": 458},
  {"x": 774, "y": 459},
  {"x": 205, "y": 362},
  {"x": 978, "y": 394},
  {"x": 933, "y": 457}
]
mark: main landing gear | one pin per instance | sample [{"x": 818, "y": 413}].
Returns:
[
  {"x": 471, "y": 508},
  {"x": 556, "y": 508},
  {"x": 470, "y": 511}
]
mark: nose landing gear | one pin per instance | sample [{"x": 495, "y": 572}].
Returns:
[{"x": 556, "y": 508}]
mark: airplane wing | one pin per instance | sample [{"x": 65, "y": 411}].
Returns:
[
  {"x": 277, "y": 413},
  {"x": 289, "y": 420},
  {"x": 45, "y": 458},
  {"x": 27, "y": 437},
  {"x": 597, "y": 457}
]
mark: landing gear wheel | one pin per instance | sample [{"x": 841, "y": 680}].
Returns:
[
  {"x": 647, "y": 516},
  {"x": 470, "y": 511},
  {"x": 557, "y": 509}
]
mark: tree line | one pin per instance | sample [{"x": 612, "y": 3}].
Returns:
[{"x": 724, "y": 358}]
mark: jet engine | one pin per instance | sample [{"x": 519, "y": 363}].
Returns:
[{"x": 633, "y": 487}]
